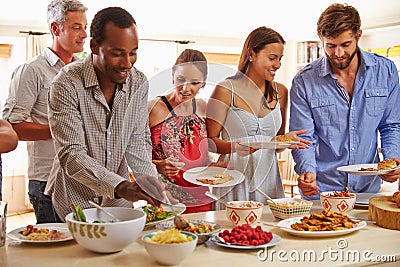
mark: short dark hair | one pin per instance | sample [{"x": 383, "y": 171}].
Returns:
[
  {"x": 117, "y": 15},
  {"x": 338, "y": 18},
  {"x": 194, "y": 57}
]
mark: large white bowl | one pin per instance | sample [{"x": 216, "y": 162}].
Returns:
[
  {"x": 169, "y": 254},
  {"x": 337, "y": 204},
  {"x": 110, "y": 236},
  {"x": 238, "y": 214}
]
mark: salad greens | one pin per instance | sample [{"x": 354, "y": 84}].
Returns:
[{"x": 155, "y": 213}]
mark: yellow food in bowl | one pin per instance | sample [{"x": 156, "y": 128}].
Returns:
[
  {"x": 169, "y": 247},
  {"x": 170, "y": 236}
]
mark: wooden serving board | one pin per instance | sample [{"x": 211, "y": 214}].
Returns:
[{"x": 384, "y": 212}]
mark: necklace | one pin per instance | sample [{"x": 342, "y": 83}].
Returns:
[{"x": 186, "y": 132}]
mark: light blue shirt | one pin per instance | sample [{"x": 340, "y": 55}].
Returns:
[{"x": 342, "y": 132}]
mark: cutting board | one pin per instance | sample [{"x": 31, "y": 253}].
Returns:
[{"x": 384, "y": 212}]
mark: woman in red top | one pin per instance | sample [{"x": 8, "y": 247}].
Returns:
[{"x": 178, "y": 130}]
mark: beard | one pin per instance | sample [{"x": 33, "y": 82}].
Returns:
[{"x": 341, "y": 65}]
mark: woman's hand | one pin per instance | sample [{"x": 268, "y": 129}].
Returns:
[
  {"x": 243, "y": 150},
  {"x": 168, "y": 167},
  {"x": 294, "y": 136},
  {"x": 221, "y": 164}
]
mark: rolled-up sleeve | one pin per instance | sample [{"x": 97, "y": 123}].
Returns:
[{"x": 22, "y": 95}]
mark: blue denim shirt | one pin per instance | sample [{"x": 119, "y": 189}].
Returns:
[{"x": 342, "y": 132}]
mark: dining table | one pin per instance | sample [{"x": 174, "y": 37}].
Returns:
[{"x": 371, "y": 245}]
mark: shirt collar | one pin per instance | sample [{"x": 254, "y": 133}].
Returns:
[
  {"x": 52, "y": 58},
  {"x": 367, "y": 60},
  {"x": 90, "y": 77}
]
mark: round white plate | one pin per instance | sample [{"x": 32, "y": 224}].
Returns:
[
  {"x": 61, "y": 227},
  {"x": 285, "y": 226},
  {"x": 275, "y": 240},
  {"x": 179, "y": 209},
  {"x": 355, "y": 169},
  {"x": 270, "y": 145},
  {"x": 209, "y": 172}
]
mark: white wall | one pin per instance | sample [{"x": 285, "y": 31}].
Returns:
[
  {"x": 380, "y": 38},
  {"x": 11, "y": 166}
]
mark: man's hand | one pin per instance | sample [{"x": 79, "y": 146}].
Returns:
[
  {"x": 146, "y": 188},
  {"x": 307, "y": 183},
  {"x": 392, "y": 176}
]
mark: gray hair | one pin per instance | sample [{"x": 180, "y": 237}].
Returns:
[{"x": 57, "y": 11}]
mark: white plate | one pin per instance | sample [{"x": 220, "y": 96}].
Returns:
[
  {"x": 355, "y": 169},
  {"x": 179, "y": 209},
  {"x": 61, "y": 227},
  {"x": 270, "y": 145},
  {"x": 209, "y": 172},
  {"x": 275, "y": 240},
  {"x": 285, "y": 226}
]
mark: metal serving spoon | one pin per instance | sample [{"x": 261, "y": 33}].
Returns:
[
  {"x": 265, "y": 195},
  {"x": 179, "y": 221},
  {"x": 211, "y": 195}
]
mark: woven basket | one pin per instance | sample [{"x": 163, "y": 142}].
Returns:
[{"x": 289, "y": 207}]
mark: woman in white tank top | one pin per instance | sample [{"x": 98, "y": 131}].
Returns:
[{"x": 251, "y": 107}]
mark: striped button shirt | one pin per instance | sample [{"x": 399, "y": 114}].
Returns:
[{"x": 96, "y": 143}]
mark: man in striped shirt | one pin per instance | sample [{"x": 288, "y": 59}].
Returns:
[{"x": 98, "y": 118}]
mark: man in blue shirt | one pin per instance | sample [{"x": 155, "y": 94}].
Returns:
[{"x": 345, "y": 100}]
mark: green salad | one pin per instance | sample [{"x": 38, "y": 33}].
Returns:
[{"x": 155, "y": 214}]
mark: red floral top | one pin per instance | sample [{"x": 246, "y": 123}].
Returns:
[{"x": 184, "y": 138}]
